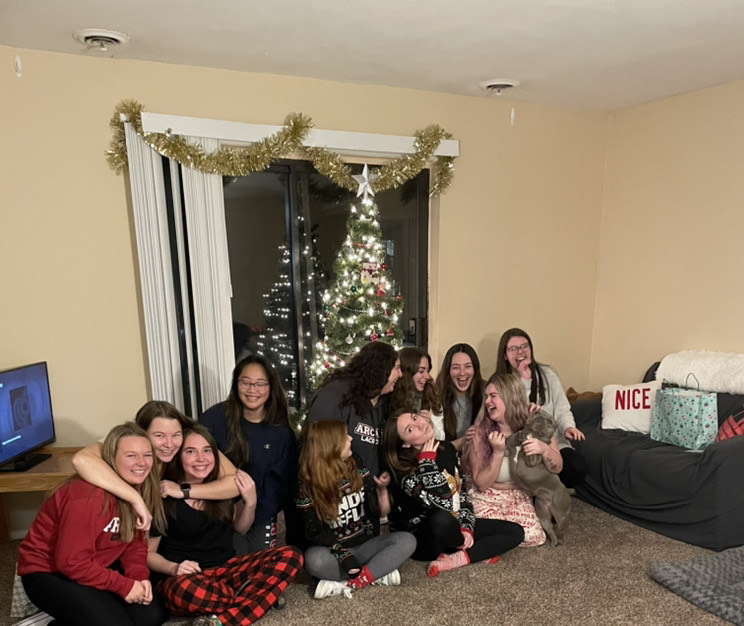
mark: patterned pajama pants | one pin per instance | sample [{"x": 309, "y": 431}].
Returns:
[
  {"x": 238, "y": 592},
  {"x": 512, "y": 505}
]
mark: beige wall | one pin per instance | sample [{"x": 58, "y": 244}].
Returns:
[
  {"x": 514, "y": 241},
  {"x": 671, "y": 253}
]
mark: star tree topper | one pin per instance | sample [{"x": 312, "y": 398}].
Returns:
[{"x": 365, "y": 180}]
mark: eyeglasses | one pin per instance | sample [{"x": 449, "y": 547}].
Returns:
[
  {"x": 247, "y": 384},
  {"x": 525, "y": 347}
]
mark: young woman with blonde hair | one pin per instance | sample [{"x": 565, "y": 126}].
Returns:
[
  {"x": 84, "y": 561},
  {"x": 164, "y": 425},
  {"x": 492, "y": 492},
  {"x": 341, "y": 503}
]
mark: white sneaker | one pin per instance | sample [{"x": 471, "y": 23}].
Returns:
[
  {"x": 330, "y": 588},
  {"x": 391, "y": 580},
  {"x": 37, "y": 619}
]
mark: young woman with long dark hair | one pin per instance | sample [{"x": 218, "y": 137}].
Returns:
[
  {"x": 429, "y": 499},
  {"x": 415, "y": 389},
  {"x": 252, "y": 429},
  {"x": 358, "y": 395},
  {"x": 460, "y": 388},
  {"x": 195, "y": 566},
  {"x": 543, "y": 387}
]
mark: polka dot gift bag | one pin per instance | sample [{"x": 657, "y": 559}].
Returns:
[{"x": 687, "y": 418}]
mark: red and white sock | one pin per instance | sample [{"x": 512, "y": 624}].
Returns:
[
  {"x": 362, "y": 579},
  {"x": 445, "y": 562}
]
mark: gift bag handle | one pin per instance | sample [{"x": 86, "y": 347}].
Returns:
[{"x": 687, "y": 378}]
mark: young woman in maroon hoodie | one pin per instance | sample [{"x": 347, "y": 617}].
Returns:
[{"x": 83, "y": 560}]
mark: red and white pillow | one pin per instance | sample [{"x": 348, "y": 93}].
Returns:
[{"x": 629, "y": 407}]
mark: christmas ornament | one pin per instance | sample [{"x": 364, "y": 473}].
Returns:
[
  {"x": 374, "y": 337},
  {"x": 349, "y": 339},
  {"x": 380, "y": 292},
  {"x": 365, "y": 180}
]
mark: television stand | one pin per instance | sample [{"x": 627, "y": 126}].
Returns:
[
  {"x": 45, "y": 476},
  {"x": 24, "y": 463}
]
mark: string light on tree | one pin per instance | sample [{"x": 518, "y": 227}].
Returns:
[{"x": 360, "y": 306}]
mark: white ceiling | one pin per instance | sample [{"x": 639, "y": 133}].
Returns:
[{"x": 590, "y": 54}]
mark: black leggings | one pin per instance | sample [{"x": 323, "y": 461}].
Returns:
[
  {"x": 71, "y": 603},
  {"x": 440, "y": 532},
  {"x": 574, "y": 467}
]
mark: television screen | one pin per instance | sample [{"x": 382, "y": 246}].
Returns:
[{"x": 26, "y": 421}]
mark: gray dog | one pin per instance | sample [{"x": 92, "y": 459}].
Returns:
[{"x": 552, "y": 499}]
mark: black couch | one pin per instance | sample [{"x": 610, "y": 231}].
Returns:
[{"x": 696, "y": 497}]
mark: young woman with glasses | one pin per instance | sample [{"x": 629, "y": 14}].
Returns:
[
  {"x": 543, "y": 387},
  {"x": 252, "y": 429}
]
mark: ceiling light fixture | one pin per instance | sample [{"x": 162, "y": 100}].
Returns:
[
  {"x": 498, "y": 85},
  {"x": 100, "y": 39}
]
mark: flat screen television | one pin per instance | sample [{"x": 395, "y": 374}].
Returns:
[{"x": 26, "y": 421}]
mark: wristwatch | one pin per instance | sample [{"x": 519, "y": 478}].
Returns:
[{"x": 186, "y": 489}]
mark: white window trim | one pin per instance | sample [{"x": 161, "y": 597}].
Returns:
[
  {"x": 210, "y": 271},
  {"x": 343, "y": 142}
]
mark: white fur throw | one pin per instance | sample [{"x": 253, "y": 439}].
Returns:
[{"x": 714, "y": 371}]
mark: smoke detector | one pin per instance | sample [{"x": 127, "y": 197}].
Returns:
[
  {"x": 498, "y": 85},
  {"x": 100, "y": 38}
]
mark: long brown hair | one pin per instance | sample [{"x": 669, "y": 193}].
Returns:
[
  {"x": 537, "y": 387},
  {"x": 405, "y": 394},
  {"x": 402, "y": 460},
  {"x": 448, "y": 392},
  {"x": 276, "y": 409},
  {"x": 220, "y": 510},
  {"x": 323, "y": 471},
  {"x": 149, "y": 489}
]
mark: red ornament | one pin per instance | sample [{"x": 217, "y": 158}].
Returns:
[
  {"x": 399, "y": 297},
  {"x": 327, "y": 365},
  {"x": 390, "y": 332},
  {"x": 380, "y": 292},
  {"x": 387, "y": 312},
  {"x": 383, "y": 266},
  {"x": 374, "y": 337}
]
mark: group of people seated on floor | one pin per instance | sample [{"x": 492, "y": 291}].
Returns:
[{"x": 174, "y": 517}]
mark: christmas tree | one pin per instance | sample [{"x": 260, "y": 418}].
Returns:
[
  {"x": 360, "y": 305},
  {"x": 276, "y": 343}
]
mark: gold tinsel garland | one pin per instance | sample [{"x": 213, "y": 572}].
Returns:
[{"x": 240, "y": 161}]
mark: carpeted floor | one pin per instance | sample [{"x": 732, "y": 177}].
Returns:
[{"x": 599, "y": 576}]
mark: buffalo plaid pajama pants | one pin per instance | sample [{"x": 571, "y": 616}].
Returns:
[{"x": 238, "y": 592}]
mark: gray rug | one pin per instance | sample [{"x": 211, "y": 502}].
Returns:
[{"x": 714, "y": 583}]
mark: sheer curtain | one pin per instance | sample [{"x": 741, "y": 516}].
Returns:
[{"x": 190, "y": 360}]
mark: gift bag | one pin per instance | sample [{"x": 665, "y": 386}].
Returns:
[{"x": 687, "y": 418}]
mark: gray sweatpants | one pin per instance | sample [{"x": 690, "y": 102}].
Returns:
[{"x": 381, "y": 554}]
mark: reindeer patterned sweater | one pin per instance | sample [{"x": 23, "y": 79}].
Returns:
[{"x": 437, "y": 483}]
